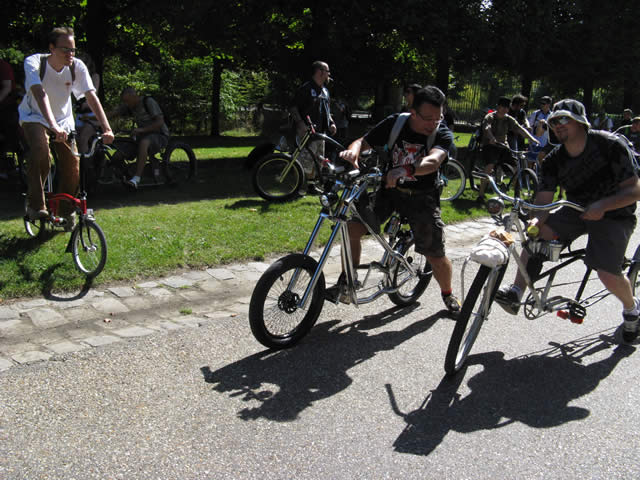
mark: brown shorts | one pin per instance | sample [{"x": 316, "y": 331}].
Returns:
[
  {"x": 607, "y": 238},
  {"x": 422, "y": 210}
]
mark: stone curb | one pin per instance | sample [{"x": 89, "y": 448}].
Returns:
[{"x": 40, "y": 329}]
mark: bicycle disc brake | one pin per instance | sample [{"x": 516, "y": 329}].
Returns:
[{"x": 288, "y": 301}]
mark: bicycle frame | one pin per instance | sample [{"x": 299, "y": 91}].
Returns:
[
  {"x": 542, "y": 302},
  {"x": 345, "y": 207},
  {"x": 310, "y": 136}
]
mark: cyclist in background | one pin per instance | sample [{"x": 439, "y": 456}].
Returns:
[
  {"x": 495, "y": 127},
  {"x": 45, "y": 112},
  {"x": 149, "y": 137},
  {"x": 596, "y": 170},
  {"x": 632, "y": 132}
]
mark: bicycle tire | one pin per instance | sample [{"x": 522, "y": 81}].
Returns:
[
  {"x": 34, "y": 228},
  {"x": 409, "y": 289},
  {"x": 454, "y": 178},
  {"x": 274, "y": 317},
  {"x": 89, "y": 248},
  {"x": 469, "y": 320},
  {"x": 179, "y": 163},
  {"x": 267, "y": 180},
  {"x": 526, "y": 185}
]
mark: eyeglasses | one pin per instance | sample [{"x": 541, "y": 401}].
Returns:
[
  {"x": 68, "y": 50},
  {"x": 324, "y": 70},
  {"x": 428, "y": 119},
  {"x": 554, "y": 122}
]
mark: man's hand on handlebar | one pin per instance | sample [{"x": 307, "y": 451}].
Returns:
[
  {"x": 595, "y": 211},
  {"x": 108, "y": 137},
  {"x": 393, "y": 176},
  {"x": 350, "y": 156}
]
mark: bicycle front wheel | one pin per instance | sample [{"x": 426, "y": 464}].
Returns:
[
  {"x": 453, "y": 177},
  {"x": 277, "y": 320},
  {"x": 472, "y": 316},
  {"x": 410, "y": 288},
  {"x": 180, "y": 163},
  {"x": 89, "y": 248},
  {"x": 632, "y": 275},
  {"x": 270, "y": 182}
]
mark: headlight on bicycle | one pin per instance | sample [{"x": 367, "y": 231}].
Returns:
[
  {"x": 328, "y": 199},
  {"x": 495, "y": 206}
]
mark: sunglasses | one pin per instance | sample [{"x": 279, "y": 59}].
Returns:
[
  {"x": 68, "y": 50},
  {"x": 554, "y": 122}
]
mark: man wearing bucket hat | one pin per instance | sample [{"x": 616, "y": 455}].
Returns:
[{"x": 596, "y": 170}]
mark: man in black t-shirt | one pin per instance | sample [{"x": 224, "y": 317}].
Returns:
[
  {"x": 415, "y": 156},
  {"x": 596, "y": 170},
  {"x": 312, "y": 100}
]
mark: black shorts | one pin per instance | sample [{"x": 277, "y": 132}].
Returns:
[
  {"x": 607, "y": 238},
  {"x": 422, "y": 210}
]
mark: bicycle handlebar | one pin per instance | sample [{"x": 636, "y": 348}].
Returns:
[
  {"x": 527, "y": 205},
  {"x": 94, "y": 145}
]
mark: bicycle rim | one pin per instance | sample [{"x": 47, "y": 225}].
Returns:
[
  {"x": 89, "y": 248},
  {"x": 271, "y": 184},
  {"x": 454, "y": 181}
]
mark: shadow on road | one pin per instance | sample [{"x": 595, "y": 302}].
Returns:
[
  {"x": 315, "y": 370},
  {"x": 535, "y": 389}
]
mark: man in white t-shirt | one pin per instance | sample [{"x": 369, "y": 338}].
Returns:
[{"x": 45, "y": 112}]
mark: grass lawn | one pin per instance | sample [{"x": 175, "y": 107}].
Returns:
[{"x": 215, "y": 220}]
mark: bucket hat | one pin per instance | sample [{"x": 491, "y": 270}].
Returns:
[{"x": 570, "y": 108}]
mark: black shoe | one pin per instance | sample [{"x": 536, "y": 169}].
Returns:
[
  {"x": 629, "y": 327},
  {"x": 480, "y": 199},
  {"x": 508, "y": 299}
]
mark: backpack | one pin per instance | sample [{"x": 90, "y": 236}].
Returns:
[
  {"x": 43, "y": 68},
  {"x": 397, "y": 128},
  {"x": 145, "y": 100}
]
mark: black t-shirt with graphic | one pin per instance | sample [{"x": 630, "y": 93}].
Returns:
[
  {"x": 594, "y": 174},
  {"x": 409, "y": 147}
]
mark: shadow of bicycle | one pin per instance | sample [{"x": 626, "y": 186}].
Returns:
[{"x": 535, "y": 389}]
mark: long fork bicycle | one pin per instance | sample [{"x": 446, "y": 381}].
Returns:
[
  {"x": 288, "y": 298},
  {"x": 88, "y": 244},
  {"x": 543, "y": 297},
  {"x": 280, "y": 176}
]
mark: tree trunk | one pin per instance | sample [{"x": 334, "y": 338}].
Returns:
[
  {"x": 215, "y": 98},
  {"x": 96, "y": 27},
  {"x": 588, "y": 95}
]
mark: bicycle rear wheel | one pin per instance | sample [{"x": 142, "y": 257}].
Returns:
[
  {"x": 89, "y": 248},
  {"x": 269, "y": 182},
  {"x": 453, "y": 180},
  {"x": 179, "y": 163},
  {"x": 276, "y": 319},
  {"x": 34, "y": 228},
  {"x": 471, "y": 317},
  {"x": 526, "y": 185},
  {"x": 409, "y": 288}
]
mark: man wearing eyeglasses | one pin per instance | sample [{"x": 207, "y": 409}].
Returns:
[
  {"x": 410, "y": 184},
  {"x": 312, "y": 100},
  {"x": 596, "y": 170},
  {"x": 45, "y": 112}
]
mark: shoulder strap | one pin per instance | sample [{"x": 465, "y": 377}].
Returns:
[
  {"x": 43, "y": 68},
  {"x": 395, "y": 131}
]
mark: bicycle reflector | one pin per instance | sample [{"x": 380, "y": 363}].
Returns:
[{"x": 495, "y": 206}]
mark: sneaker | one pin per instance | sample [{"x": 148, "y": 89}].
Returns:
[
  {"x": 133, "y": 183},
  {"x": 508, "y": 299},
  {"x": 452, "y": 303},
  {"x": 629, "y": 327},
  {"x": 35, "y": 215}
]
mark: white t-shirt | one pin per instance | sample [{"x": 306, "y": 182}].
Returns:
[{"x": 59, "y": 88}]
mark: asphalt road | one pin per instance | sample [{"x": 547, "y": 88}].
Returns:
[{"x": 363, "y": 396}]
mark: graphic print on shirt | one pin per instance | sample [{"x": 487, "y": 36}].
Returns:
[{"x": 407, "y": 155}]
